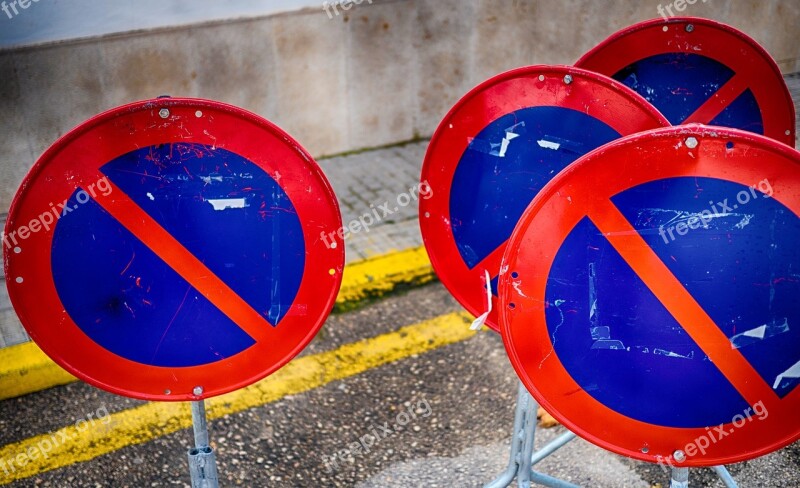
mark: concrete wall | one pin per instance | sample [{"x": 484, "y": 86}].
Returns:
[{"x": 377, "y": 74}]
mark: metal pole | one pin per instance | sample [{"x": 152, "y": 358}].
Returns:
[
  {"x": 510, "y": 473},
  {"x": 529, "y": 434},
  {"x": 522, "y": 456},
  {"x": 679, "y": 478},
  {"x": 725, "y": 476},
  {"x": 552, "y": 447},
  {"x": 202, "y": 463}
]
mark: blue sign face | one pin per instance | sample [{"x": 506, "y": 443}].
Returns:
[
  {"x": 678, "y": 84},
  {"x": 506, "y": 165},
  {"x": 225, "y": 210},
  {"x": 734, "y": 249}
]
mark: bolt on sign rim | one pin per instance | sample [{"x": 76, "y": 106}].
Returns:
[
  {"x": 169, "y": 249},
  {"x": 647, "y": 296}
]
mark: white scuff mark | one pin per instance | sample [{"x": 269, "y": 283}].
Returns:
[
  {"x": 756, "y": 334},
  {"x": 213, "y": 146},
  {"x": 703, "y": 217},
  {"x": 611, "y": 344},
  {"x": 745, "y": 220},
  {"x": 150, "y": 196},
  {"x": 664, "y": 352},
  {"x": 557, "y": 302},
  {"x": 510, "y": 136},
  {"x": 516, "y": 287},
  {"x": 791, "y": 373},
  {"x": 220, "y": 204},
  {"x": 548, "y": 144},
  {"x": 208, "y": 179}
]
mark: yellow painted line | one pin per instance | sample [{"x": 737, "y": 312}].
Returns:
[
  {"x": 372, "y": 278},
  {"x": 26, "y": 369},
  {"x": 147, "y": 422}
]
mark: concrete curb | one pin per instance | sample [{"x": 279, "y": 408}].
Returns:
[{"x": 25, "y": 369}]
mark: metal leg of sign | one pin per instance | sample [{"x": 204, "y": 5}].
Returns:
[
  {"x": 679, "y": 478},
  {"x": 725, "y": 476},
  {"x": 523, "y": 457},
  {"x": 202, "y": 463}
]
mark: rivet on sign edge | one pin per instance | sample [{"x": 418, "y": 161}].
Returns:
[
  {"x": 163, "y": 113},
  {"x": 691, "y": 142},
  {"x": 198, "y": 390},
  {"x": 689, "y": 27},
  {"x": 568, "y": 79},
  {"x": 679, "y": 456}
]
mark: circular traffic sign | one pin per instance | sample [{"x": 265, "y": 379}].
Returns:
[
  {"x": 169, "y": 250},
  {"x": 649, "y": 296},
  {"x": 699, "y": 71},
  {"x": 497, "y": 148}
]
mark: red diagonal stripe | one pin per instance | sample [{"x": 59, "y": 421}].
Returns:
[
  {"x": 682, "y": 305},
  {"x": 720, "y": 100},
  {"x": 183, "y": 262}
]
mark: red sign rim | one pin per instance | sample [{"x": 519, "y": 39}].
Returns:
[
  {"x": 716, "y": 40},
  {"x": 104, "y": 137},
  {"x": 607, "y": 100},
  {"x": 585, "y": 188}
]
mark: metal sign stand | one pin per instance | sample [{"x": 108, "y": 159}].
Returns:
[
  {"x": 202, "y": 463},
  {"x": 523, "y": 457}
]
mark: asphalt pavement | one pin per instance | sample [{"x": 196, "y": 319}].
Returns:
[{"x": 438, "y": 418}]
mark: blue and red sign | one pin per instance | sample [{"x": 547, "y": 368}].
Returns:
[
  {"x": 497, "y": 148},
  {"x": 649, "y": 296},
  {"x": 173, "y": 244},
  {"x": 699, "y": 71}
]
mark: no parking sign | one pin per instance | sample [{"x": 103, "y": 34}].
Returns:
[
  {"x": 649, "y": 296},
  {"x": 697, "y": 70},
  {"x": 497, "y": 148},
  {"x": 169, "y": 250}
]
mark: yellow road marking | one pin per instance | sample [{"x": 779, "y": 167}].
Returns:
[
  {"x": 25, "y": 368},
  {"x": 378, "y": 276},
  {"x": 147, "y": 422}
]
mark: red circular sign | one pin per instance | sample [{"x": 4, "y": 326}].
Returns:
[
  {"x": 649, "y": 343},
  {"x": 170, "y": 250},
  {"x": 699, "y": 71},
  {"x": 493, "y": 152}
]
